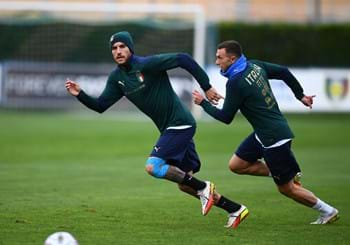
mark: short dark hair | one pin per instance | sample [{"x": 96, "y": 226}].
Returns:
[{"x": 232, "y": 47}]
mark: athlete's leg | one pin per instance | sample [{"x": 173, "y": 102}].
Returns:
[
  {"x": 159, "y": 168},
  {"x": 284, "y": 167},
  {"x": 236, "y": 212},
  {"x": 192, "y": 192},
  {"x": 187, "y": 189},
  {"x": 173, "y": 156},
  {"x": 164, "y": 170},
  {"x": 246, "y": 159},
  {"x": 240, "y": 166},
  {"x": 165, "y": 160},
  {"x": 298, "y": 193},
  {"x": 328, "y": 214}
]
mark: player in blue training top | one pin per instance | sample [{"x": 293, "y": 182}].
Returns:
[
  {"x": 144, "y": 81},
  {"x": 249, "y": 91}
]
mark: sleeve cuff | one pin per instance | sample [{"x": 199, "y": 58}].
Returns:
[
  {"x": 204, "y": 103},
  {"x": 300, "y": 96},
  {"x": 206, "y": 88}
]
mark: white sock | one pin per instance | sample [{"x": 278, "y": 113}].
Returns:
[{"x": 323, "y": 207}]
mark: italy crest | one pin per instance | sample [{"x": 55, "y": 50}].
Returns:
[{"x": 140, "y": 77}]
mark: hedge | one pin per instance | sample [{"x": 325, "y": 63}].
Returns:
[{"x": 292, "y": 44}]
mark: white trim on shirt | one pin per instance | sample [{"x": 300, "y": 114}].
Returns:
[
  {"x": 277, "y": 144},
  {"x": 180, "y": 127}
]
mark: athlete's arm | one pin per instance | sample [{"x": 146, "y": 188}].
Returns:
[
  {"x": 163, "y": 62},
  {"x": 110, "y": 95},
  {"x": 275, "y": 71},
  {"x": 230, "y": 107}
]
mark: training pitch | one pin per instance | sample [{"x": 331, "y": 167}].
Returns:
[{"x": 85, "y": 174}]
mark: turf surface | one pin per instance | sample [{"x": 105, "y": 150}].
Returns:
[{"x": 85, "y": 175}]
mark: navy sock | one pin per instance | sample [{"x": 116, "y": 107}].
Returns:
[
  {"x": 228, "y": 205},
  {"x": 194, "y": 183}
]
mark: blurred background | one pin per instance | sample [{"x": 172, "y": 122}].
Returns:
[{"x": 44, "y": 42}]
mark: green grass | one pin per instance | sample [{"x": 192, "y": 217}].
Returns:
[{"x": 85, "y": 175}]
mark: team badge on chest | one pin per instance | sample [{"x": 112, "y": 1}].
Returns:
[{"x": 140, "y": 77}]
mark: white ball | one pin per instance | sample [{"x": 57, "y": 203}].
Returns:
[{"x": 61, "y": 238}]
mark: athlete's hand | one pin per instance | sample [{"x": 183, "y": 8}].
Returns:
[
  {"x": 308, "y": 100},
  {"x": 72, "y": 87},
  {"x": 197, "y": 97},
  {"x": 213, "y": 96}
]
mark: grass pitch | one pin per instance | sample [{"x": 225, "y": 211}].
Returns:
[{"x": 85, "y": 175}]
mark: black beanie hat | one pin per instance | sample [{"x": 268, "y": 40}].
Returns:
[{"x": 123, "y": 37}]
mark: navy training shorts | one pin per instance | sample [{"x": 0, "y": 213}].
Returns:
[
  {"x": 177, "y": 148},
  {"x": 280, "y": 160}
]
